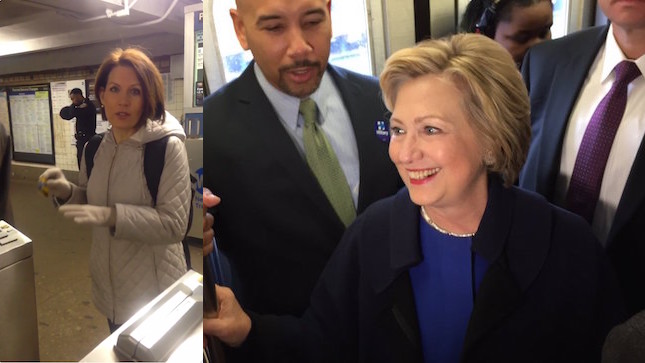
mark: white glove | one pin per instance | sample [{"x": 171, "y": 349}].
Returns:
[
  {"x": 58, "y": 185},
  {"x": 90, "y": 214}
]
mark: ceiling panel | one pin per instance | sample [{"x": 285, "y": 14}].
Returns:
[{"x": 37, "y": 25}]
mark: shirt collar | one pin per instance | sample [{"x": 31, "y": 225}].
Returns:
[
  {"x": 613, "y": 55},
  {"x": 287, "y": 106}
]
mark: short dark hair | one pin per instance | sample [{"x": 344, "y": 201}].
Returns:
[
  {"x": 488, "y": 14},
  {"x": 76, "y": 91}
]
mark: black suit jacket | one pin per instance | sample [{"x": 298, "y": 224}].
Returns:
[
  {"x": 274, "y": 223},
  {"x": 549, "y": 294},
  {"x": 555, "y": 72}
]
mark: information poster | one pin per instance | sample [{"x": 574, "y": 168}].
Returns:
[
  {"x": 60, "y": 98},
  {"x": 101, "y": 125},
  {"x": 31, "y": 124}
]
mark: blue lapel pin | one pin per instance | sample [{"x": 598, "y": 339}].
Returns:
[{"x": 382, "y": 131}]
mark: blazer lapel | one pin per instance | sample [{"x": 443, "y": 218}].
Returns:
[
  {"x": 632, "y": 197},
  {"x": 405, "y": 314},
  {"x": 512, "y": 238},
  {"x": 570, "y": 75},
  {"x": 499, "y": 295},
  {"x": 392, "y": 281},
  {"x": 263, "y": 122}
]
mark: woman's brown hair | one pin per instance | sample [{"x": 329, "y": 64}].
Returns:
[{"x": 151, "y": 83}]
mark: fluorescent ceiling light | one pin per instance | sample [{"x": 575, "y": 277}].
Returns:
[{"x": 115, "y": 2}]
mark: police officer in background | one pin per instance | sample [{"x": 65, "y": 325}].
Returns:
[{"x": 85, "y": 112}]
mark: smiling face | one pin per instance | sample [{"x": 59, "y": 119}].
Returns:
[
  {"x": 525, "y": 27},
  {"x": 290, "y": 40},
  {"x": 434, "y": 147},
  {"x": 122, "y": 99}
]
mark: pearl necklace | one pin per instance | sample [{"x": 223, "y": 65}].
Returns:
[{"x": 434, "y": 225}]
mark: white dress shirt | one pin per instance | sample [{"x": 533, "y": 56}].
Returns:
[
  {"x": 626, "y": 143},
  {"x": 333, "y": 119}
]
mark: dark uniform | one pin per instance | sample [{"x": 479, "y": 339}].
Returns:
[{"x": 85, "y": 114}]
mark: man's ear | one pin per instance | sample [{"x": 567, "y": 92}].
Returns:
[{"x": 240, "y": 29}]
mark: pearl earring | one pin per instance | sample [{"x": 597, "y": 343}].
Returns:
[{"x": 489, "y": 159}]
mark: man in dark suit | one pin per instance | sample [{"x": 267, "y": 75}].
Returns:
[
  {"x": 567, "y": 79},
  {"x": 275, "y": 223},
  {"x": 85, "y": 113}
]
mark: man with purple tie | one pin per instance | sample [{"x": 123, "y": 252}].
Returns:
[{"x": 587, "y": 105}]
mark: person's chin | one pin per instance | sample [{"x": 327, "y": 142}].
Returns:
[{"x": 300, "y": 89}]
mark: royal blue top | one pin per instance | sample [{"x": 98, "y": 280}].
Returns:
[{"x": 444, "y": 286}]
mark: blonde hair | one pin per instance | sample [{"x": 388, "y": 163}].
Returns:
[
  {"x": 154, "y": 107},
  {"x": 494, "y": 95}
]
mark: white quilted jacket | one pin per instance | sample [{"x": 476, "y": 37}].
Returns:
[{"x": 139, "y": 258}]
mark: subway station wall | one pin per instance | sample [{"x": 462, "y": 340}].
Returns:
[{"x": 80, "y": 63}]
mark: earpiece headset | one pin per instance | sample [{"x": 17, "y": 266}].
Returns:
[{"x": 487, "y": 18}]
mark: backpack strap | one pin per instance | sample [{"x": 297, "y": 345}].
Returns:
[
  {"x": 90, "y": 150},
  {"x": 153, "y": 161},
  {"x": 154, "y": 158}
]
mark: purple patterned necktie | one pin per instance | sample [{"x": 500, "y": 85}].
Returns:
[{"x": 589, "y": 168}]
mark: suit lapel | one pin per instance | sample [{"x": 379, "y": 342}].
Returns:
[
  {"x": 568, "y": 78},
  {"x": 513, "y": 239},
  {"x": 263, "y": 123},
  {"x": 499, "y": 295},
  {"x": 405, "y": 252},
  {"x": 632, "y": 197},
  {"x": 390, "y": 279},
  {"x": 405, "y": 315}
]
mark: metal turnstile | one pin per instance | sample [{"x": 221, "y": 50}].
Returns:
[
  {"x": 18, "y": 320},
  {"x": 167, "y": 329}
]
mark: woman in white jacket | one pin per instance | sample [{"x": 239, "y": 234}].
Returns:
[{"x": 136, "y": 244}]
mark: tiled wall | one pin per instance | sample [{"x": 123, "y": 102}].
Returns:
[
  {"x": 64, "y": 148},
  {"x": 175, "y": 98}
]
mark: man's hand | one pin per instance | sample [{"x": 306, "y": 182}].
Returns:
[
  {"x": 231, "y": 325},
  {"x": 210, "y": 200}
]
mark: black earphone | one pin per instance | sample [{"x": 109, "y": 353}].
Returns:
[{"x": 481, "y": 27}]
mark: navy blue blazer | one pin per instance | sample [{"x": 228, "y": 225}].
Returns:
[
  {"x": 554, "y": 73},
  {"x": 549, "y": 294},
  {"x": 274, "y": 223}
]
